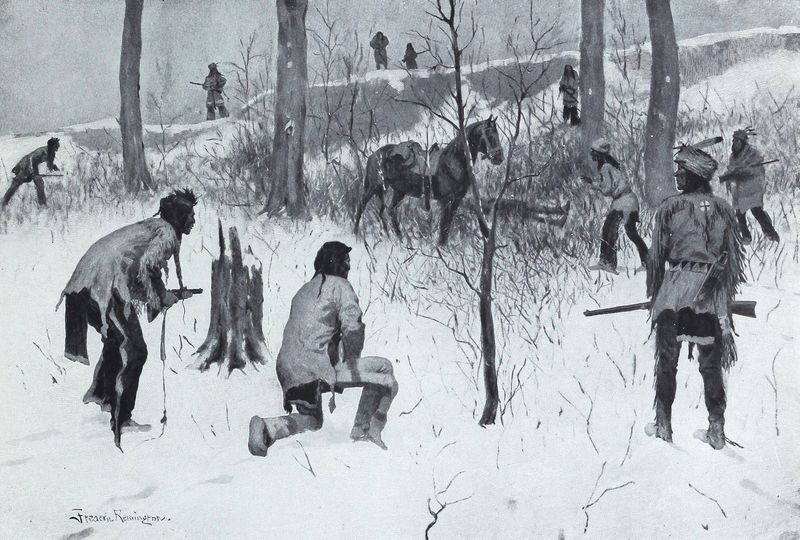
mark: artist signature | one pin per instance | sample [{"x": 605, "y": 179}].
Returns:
[{"x": 116, "y": 516}]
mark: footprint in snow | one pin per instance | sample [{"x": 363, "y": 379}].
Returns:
[
  {"x": 14, "y": 462},
  {"x": 85, "y": 533},
  {"x": 35, "y": 437},
  {"x": 145, "y": 493},
  {"x": 222, "y": 479}
]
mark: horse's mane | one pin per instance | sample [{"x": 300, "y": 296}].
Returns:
[{"x": 470, "y": 128}]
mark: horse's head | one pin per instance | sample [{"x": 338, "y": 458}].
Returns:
[{"x": 485, "y": 140}]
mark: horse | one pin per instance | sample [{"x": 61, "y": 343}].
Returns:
[{"x": 405, "y": 168}]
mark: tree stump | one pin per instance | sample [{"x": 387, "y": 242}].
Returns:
[{"x": 235, "y": 337}]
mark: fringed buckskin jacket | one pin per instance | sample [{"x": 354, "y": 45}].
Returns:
[
  {"x": 127, "y": 264},
  {"x": 691, "y": 233},
  {"x": 748, "y": 184}
]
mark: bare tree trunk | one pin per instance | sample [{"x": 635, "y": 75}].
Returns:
[
  {"x": 662, "y": 112},
  {"x": 137, "y": 175},
  {"x": 288, "y": 188},
  {"x": 488, "y": 347},
  {"x": 235, "y": 336},
  {"x": 592, "y": 77}
]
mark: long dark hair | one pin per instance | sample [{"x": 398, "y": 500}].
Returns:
[
  {"x": 52, "y": 146},
  {"x": 330, "y": 260},
  {"x": 175, "y": 207},
  {"x": 569, "y": 71}
]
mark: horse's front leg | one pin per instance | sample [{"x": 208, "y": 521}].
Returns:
[
  {"x": 449, "y": 207},
  {"x": 382, "y": 198},
  {"x": 362, "y": 205}
]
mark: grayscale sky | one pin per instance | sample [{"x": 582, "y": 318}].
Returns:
[{"x": 60, "y": 58}]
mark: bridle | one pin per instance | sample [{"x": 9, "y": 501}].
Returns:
[{"x": 491, "y": 150}]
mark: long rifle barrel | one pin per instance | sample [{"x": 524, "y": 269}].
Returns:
[{"x": 742, "y": 308}]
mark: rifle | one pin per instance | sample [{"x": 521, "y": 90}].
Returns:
[
  {"x": 730, "y": 174},
  {"x": 182, "y": 294},
  {"x": 711, "y": 141},
  {"x": 196, "y": 83},
  {"x": 50, "y": 174},
  {"x": 743, "y": 308}
]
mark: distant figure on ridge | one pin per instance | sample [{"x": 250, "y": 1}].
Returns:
[
  {"x": 410, "y": 58},
  {"x": 379, "y": 43},
  {"x": 27, "y": 170},
  {"x": 568, "y": 87},
  {"x": 214, "y": 84}
]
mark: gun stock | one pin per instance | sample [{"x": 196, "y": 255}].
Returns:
[{"x": 742, "y": 308}]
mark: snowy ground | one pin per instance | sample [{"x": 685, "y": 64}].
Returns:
[
  {"x": 527, "y": 478},
  {"x": 570, "y": 455}
]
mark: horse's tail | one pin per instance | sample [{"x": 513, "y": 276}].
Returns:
[{"x": 372, "y": 177}]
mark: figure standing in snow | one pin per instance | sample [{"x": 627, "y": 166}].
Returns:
[
  {"x": 214, "y": 84},
  {"x": 746, "y": 171},
  {"x": 27, "y": 170},
  {"x": 324, "y": 315},
  {"x": 568, "y": 87},
  {"x": 118, "y": 274},
  {"x": 410, "y": 57},
  {"x": 379, "y": 43},
  {"x": 611, "y": 182},
  {"x": 696, "y": 237}
]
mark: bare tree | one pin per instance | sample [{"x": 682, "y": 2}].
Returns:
[
  {"x": 244, "y": 73},
  {"x": 623, "y": 37},
  {"x": 662, "y": 111},
  {"x": 288, "y": 189},
  {"x": 327, "y": 44},
  {"x": 592, "y": 78},
  {"x": 136, "y": 173},
  {"x": 521, "y": 80}
]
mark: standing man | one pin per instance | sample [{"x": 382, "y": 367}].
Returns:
[
  {"x": 611, "y": 182},
  {"x": 214, "y": 83},
  {"x": 695, "y": 269},
  {"x": 746, "y": 171},
  {"x": 118, "y": 274},
  {"x": 27, "y": 170},
  {"x": 568, "y": 86},
  {"x": 379, "y": 43},
  {"x": 324, "y": 315},
  {"x": 410, "y": 57}
]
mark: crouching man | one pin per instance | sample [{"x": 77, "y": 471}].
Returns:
[
  {"x": 120, "y": 273},
  {"x": 324, "y": 315}
]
